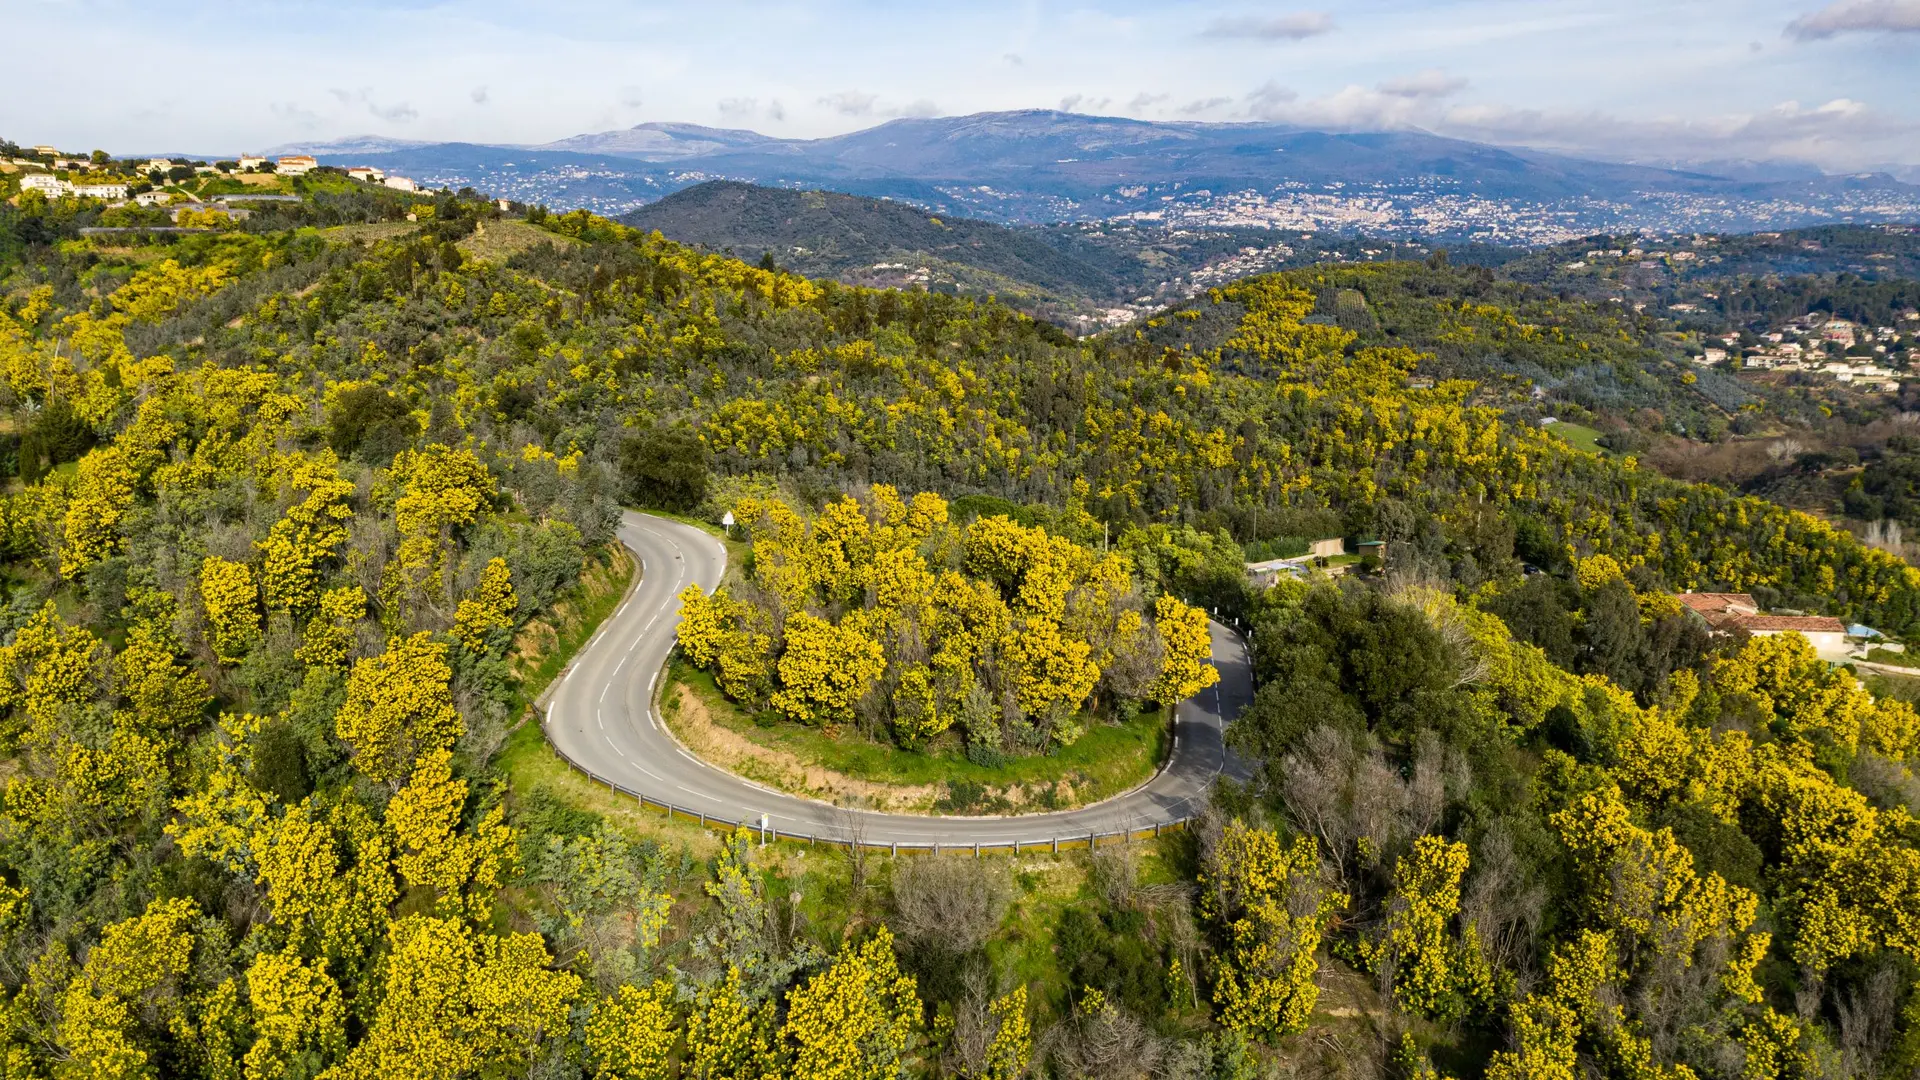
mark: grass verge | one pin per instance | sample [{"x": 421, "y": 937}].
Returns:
[{"x": 847, "y": 768}]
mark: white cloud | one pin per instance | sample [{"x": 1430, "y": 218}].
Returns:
[
  {"x": 478, "y": 96},
  {"x": 1203, "y": 105},
  {"x": 294, "y": 114},
  {"x": 1270, "y": 96},
  {"x": 861, "y": 103},
  {"x": 1860, "y": 16},
  {"x": 1841, "y": 134},
  {"x": 1431, "y": 83},
  {"x": 851, "y": 103},
  {"x": 1144, "y": 100},
  {"x": 1351, "y": 108},
  {"x": 398, "y": 112},
  {"x": 1297, "y": 26}
]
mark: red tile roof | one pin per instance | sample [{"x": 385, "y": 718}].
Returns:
[
  {"x": 1717, "y": 603},
  {"x": 1724, "y": 611},
  {"x": 1806, "y": 624}
]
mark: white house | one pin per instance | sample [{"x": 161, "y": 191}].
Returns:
[
  {"x": 101, "y": 191},
  {"x": 154, "y": 197},
  {"x": 251, "y": 161},
  {"x": 45, "y": 183},
  {"x": 1738, "y": 611},
  {"x": 1328, "y": 548},
  {"x": 158, "y": 164},
  {"x": 296, "y": 165},
  {"x": 401, "y": 183},
  {"x": 368, "y": 173}
]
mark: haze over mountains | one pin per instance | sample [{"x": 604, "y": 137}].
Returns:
[{"x": 1041, "y": 166}]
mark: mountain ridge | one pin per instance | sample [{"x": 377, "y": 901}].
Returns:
[{"x": 1039, "y": 166}]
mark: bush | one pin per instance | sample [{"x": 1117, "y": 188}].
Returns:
[
  {"x": 665, "y": 469},
  {"x": 280, "y": 763},
  {"x": 985, "y": 755},
  {"x": 57, "y": 435},
  {"x": 370, "y": 424}
]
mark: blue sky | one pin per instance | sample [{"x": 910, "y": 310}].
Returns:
[{"x": 1835, "y": 83}]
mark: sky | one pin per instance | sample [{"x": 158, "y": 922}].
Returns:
[{"x": 1835, "y": 84}]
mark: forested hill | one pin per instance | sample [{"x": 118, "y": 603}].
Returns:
[
  {"x": 827, "y": 234},
  {"x": 305, "y": 508}
]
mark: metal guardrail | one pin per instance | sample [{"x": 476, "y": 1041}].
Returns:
[{"x": 1055, "y": 844}]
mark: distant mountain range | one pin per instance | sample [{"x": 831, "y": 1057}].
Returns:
[{"x": 1042, "y": 166}]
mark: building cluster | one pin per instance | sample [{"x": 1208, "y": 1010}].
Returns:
[
  {"x": 371, "y": 175},
  {"x": 53, "y": 187},
  {"x": 1821, "y": 344},
  {"x": 114, "y": 186}
]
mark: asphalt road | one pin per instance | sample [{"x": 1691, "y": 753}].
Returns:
[{"x": 600, "y": 717}]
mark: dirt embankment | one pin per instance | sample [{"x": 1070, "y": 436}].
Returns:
[{"x": 690, "y": 721}]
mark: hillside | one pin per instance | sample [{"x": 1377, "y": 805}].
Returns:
[
  {"x": 877, "y": 242},
  {"x": 303, "y": 511},
  {"x": 1617, "y": 366}
]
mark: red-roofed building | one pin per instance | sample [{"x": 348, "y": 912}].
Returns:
[
  {"x": 1718, "y": 607},
  {"x": 1738, "y": 611}
]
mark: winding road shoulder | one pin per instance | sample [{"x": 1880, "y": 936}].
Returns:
[{"x": 633, "y": 645}]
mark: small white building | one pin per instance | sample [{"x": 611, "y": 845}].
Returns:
[
  {"x": 401, "y": 183},
  {"x": 100, "y": 191},
  {"x": 251, "y": 161},
  {"x": 46, "y": 184},
  {"x": 296, "y": 165},
  {"x": 1266, "y": 573},
  {"x": 153, "y": 197},
  {"x": 158, "y": 164},
  {"x": 1713, "y": 356},
  {"x": 368, "y": 173}
]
